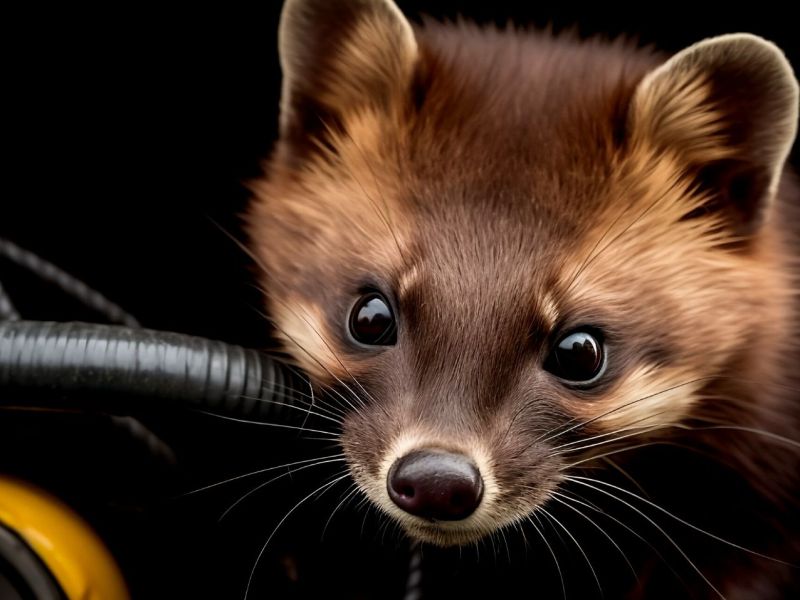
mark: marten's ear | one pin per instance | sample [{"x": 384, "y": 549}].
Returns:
[
  {"x": 727, "y": 107},
  {"x": 339, "y": 56}
]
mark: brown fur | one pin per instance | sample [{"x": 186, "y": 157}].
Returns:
[{"x": 502, "y": 187}]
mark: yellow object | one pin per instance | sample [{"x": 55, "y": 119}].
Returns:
[{"x": 73, "y": 553}]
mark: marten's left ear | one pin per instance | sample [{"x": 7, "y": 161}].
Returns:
[
  {"x": 339, "y": 56},
  {"x": 727, "y": 107}
]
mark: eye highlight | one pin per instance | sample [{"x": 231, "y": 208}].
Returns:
[
  {"x": 578, "y": 357},
  {"x": 372, "y": 321}
]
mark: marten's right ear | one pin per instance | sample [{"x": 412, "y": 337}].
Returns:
[
  {"x": 727, "y": 107},
  {"x": 339, "y": 56}
]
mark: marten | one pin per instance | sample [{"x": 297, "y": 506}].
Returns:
[{"x": 546, "y": 276}]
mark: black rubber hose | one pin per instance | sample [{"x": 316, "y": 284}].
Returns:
[{"x": 68, "y": 364}]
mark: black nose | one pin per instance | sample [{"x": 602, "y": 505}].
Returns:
[{"x": 434, "y": 484}]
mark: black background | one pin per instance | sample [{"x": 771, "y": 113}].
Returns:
[{"x": 128, "y": 134}]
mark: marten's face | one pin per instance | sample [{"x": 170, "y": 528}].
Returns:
[{"x": 503, "y": 254}]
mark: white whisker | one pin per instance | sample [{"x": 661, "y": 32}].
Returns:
[
  {"x": 346, "y": 496},
  {"x": 332, "y": 436},
  {"x": 684, "y": 522},
  {"x": 563, "y": 500},
  {"x": 266, "y": 483},
  {"x": 552, "y": 553},
  {"x": 580, "y": 548},
  {"x": 323, "y": 487},
  {"x": 654, "y": 524},
  {"x": 252, "y": 473}
]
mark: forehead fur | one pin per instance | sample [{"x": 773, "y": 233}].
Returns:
[
  {"x": 511, "y": 166},
  {"x": 339, "y": 207},
  {"x": 487, "y": 114}
]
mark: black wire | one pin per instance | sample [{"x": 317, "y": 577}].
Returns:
[
  {"x": 7, "y": 310},
  {"x": 70, "y": 284},
  {"x": 139, "y": 432},
  {"x": 414, "y": 579}
]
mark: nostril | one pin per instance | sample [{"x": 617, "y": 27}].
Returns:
[
  {"x": 434, "y": 484},
  {"x": 408, "y": 492}
]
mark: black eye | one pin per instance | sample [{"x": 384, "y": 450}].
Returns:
[
  {"x": 577, "y": 357},
  {"x": 372, "y": 321}
]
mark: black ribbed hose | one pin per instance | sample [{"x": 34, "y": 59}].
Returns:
[{"x": 72, "y": 364}]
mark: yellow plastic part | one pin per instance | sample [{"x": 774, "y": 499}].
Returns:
[{"x": 76, "y": 557}]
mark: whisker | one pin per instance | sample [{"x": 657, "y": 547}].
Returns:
[
  {"x": 616, "y": 451},
  {"x": 636, "y": 432},
  {"x": 382, "y": 529},
  {"x": 555, "y": 449},
  {"x": 552, "y": 435},
  {"x": 316, "y": 360},
  {"x": 261, "y": 265},
  {"x": 629, "y": 529},
  {"x": 552, "y": 553},
  {"x": 252, "y": 473},
  {"x": 303, "y": 399},
  {"x": 330, "y": 349},
  {"x": 684, "y": 522},
  {"x": 331, "y": 408},
  {"x": 518, "y": 525},
  {"x": 778, "y": 384},
  {"x": 654, "y": 524},
  {"x": 754, "y": 430},
  {"x": 324, "y": 487},
  {"x": 295, "y": 407},
  {"x": 338, "y": 360},
  {"x": 682, "y": 446},
  {"x": 505, "y": 541},
  {"x": 261, "y": 486},
  {"x": 625, "y": 474},
  {"x": 558, "y": 497},
  {"x": 494, "y": 548},
  {"x": 572, "y": 537},
  {"x": 346, "y": 496},
  {"x": 364, "y": 502},
  {"x": 333, "y": 436},
  {"x": 333, "y": 402}
]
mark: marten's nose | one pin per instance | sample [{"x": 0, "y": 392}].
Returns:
[{"x": 434, "y": 484}]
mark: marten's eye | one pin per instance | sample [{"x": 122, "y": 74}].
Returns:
[
  {"x": 578, "y": 357},
  {"x": 372, "y": 321}
]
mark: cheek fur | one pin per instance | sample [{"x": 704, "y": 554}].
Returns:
[
  {"x": 302, "y": 329},
  {"x": 650, "y": 397}
]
